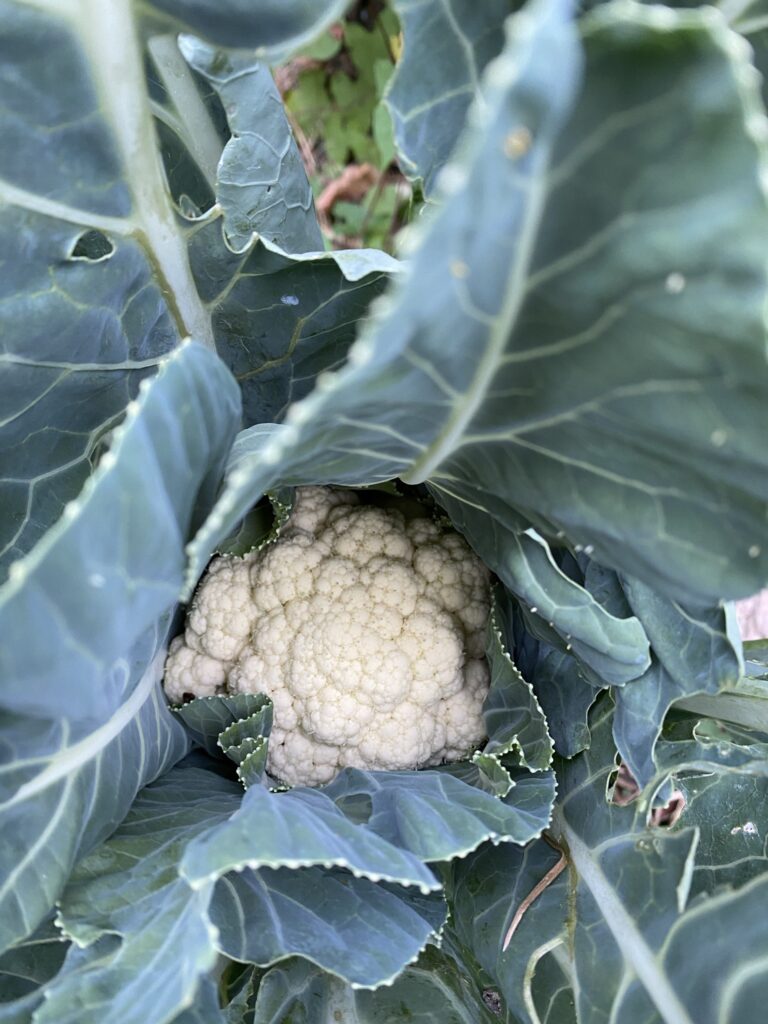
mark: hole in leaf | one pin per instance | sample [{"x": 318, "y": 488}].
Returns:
[
  {"x": 669, "y": 815},
  {"x": 92, "y": 246},
  {"x": 492, "y": 1000},
  {"x": 622, "y": 788}
]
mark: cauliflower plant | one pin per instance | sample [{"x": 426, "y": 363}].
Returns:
[{"x": 365, "y": 628}]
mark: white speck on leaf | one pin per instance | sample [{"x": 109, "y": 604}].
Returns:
[
  {"x": 749, "y": 828},
  {"x": 289, "y": 300},
  {"x": 675, "y": 283}
]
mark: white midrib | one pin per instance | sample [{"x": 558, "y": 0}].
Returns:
[
  {"x": 109, "y": 36},
  {"x": 69, "y": 761},
  {"x": 200, "y": 136},
  {"x": 628, "y": 937},
  {"x": 472, "y": 399}
]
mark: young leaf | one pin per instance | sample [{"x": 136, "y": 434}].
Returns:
[{"x": 513, "y": 717}]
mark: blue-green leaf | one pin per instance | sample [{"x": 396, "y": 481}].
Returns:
[
  {"x": 435, "y": 815},
  {"x": 300, "y": 828},
  {"x": 277, "y": 28},
  {"x": 81, "y": 662},
  {"x": 565, "y": 194},
  {"x": 433, "y": 989},
  {"x": 362, "y": 932},
  {"x": 25, "y": 969},
  {"x": 513, "y": 717},
  {"x": 695, "y": 650},
  {"x": 261, "y": 184},
  {"x": 143, "y": 936},
  {"x": 620, "y": 915},
  {"x": 208, "y": 717},
  {"x": 429, "y": 111},
  {"x": 107, "y": 130},
  {"x": 615, "y": 648}
]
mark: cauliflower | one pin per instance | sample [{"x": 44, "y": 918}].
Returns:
[{"x": 366, "y": 629}]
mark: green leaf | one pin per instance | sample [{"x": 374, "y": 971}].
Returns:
[
  {"x": 695, "y": 650},
  {"x": 730, "y": 813},
  {"x": 613, "y": 647},
  {"x": 83, "y": 320},
  {"x": 300, "y": 828},
  {"x": 484, "y": 892},
  {"x": 261, "y": 183},
  {"x": 251, "y": 534},
  {"x": 650, "y": 459},
  {"x": 327, "y": 917},
  {"x": 556, "y": 677},
  {"x": 107, "y": 183},
  {"x": 25, "y": 969},
  {"x": 208, "y": 717},
  {"x": 80, "y": 663},
  {"x": 483, "y": 771},
  {"x": 565, "y": 698},
  {"x": 239, "y": 725},
  {"x": 433, "y": 989},
  {"x": 280, "y": 321},
  {"x": 513, "y": 717},
  {"x": 621, "y": 919},
  {"x": 143, "y": 935},
  {"x": 205, "y": 1008},
  {"x": 429, "y": 111},
  {"x": 436, "y": 816},
  {"x": 246, "y": 743},
  {"x": 280, "y": 27}
]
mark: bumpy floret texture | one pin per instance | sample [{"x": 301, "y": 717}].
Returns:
[{"x": 364, "y": 627}]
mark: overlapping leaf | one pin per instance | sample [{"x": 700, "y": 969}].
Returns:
[
  {"x": 107, "y": 183},
  {"x": 558, "y": 607},
  {"x": 146, "y": 931},
  {"x": 143, "y": 935},
  {"x": 25, "y": 969},
  {"x": 435, "y": 988},
  {"x": 302, "y": 827},
  {"x": 84, "y": 618},
  {"x": 281, "y": 25},
  {"x": 328, "y": 917},
  {"x": 429, "y": 111},
  {"x": 436, "y": 816},
  {"x": 513, "y": 717},
  {"x": 696, "y": 650},
  {"x": 621, "y": 915},
  {"x": 566, "y": 196}
]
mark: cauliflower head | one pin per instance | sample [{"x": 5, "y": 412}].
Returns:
[{"x": 364, "y": 627}]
